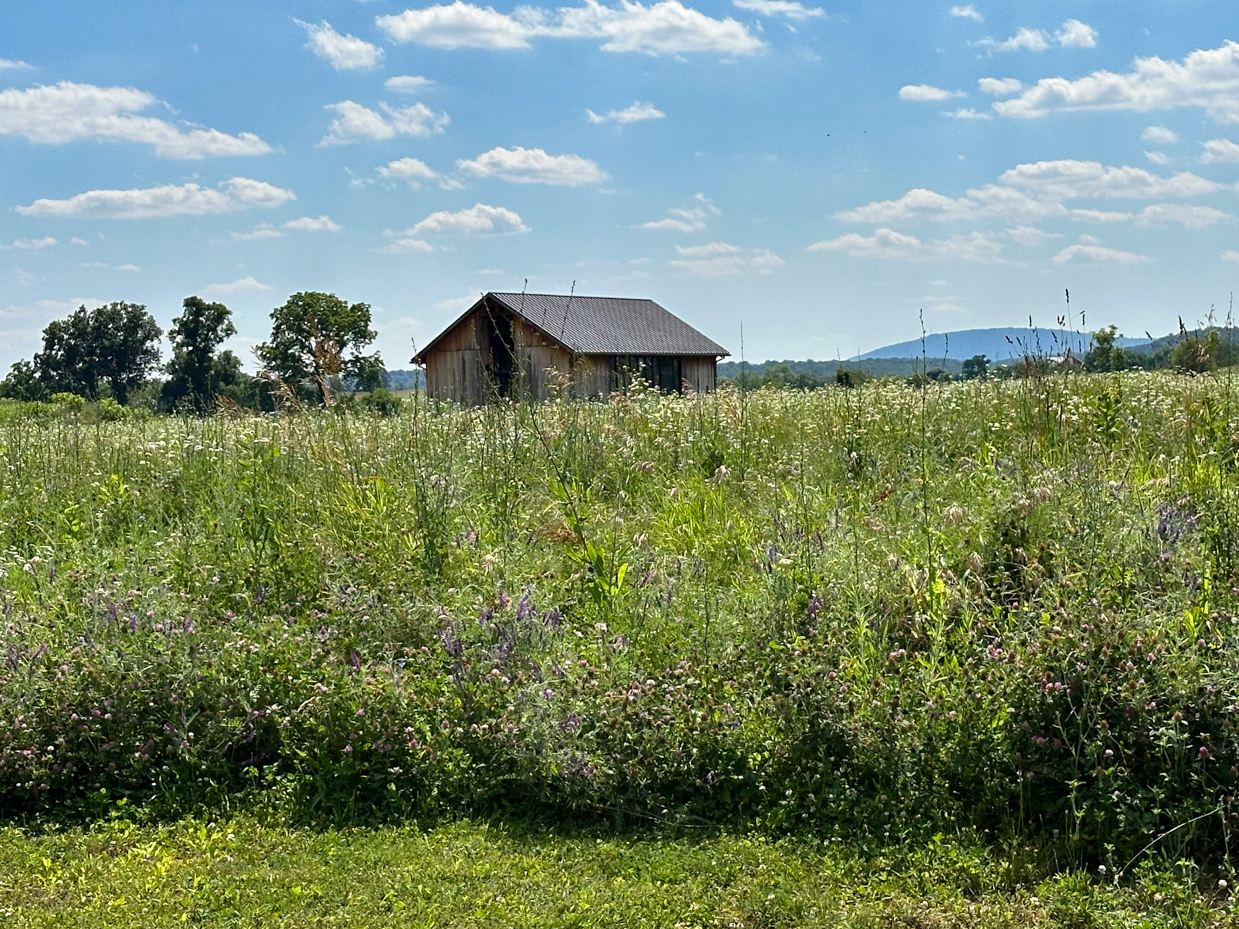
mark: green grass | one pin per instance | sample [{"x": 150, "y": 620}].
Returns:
[{"x": 241, "y": 873}]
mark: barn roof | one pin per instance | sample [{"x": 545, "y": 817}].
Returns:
[{"x": 601, "y": 325}]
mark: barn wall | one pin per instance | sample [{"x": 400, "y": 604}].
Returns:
[
  {"x": 591, "y": 376},
  {"x": 699, "y": 372},
  {"x": 454, "y": 368}
]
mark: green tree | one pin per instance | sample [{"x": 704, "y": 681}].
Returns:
[
  {"x": 974, "y": 367},
  {"x": 197, "y": 373},
  {"x": 1194, "y": 355},
  {"x": 22, "y": 383},
  {"x": 1104, "y": 355},
  {"x": 117, "y": 344},
  {"x": 318, "y": 338}
]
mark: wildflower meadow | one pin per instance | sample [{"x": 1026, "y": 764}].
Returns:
[{"x": 993, "y": 618}]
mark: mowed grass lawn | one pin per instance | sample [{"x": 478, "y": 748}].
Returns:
[{"x": 243, "y": 874}]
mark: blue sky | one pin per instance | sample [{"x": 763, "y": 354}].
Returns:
[{"x": 817, "y": 174}]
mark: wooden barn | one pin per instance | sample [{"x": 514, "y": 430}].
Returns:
[{"x": 521, "y": 345}]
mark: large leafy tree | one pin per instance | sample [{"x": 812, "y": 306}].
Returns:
[
  {"x": 198, "y": 371},
  {"x": 117, "y": 344},
  {"x": 318, "y": 338}
]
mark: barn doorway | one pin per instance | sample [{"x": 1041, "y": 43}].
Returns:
[{"x": 502, "y": 353}]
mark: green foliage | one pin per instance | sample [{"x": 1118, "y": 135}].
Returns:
[
  {"x": 974, "y": 367},
  {"x": 116, "y": 345},
  {"x": 1104, "y": 355},
  {"x": 198, "y": 373},
  {"x": 1002, "y": 609},
  {"x": 317, "y": 338},
  {"x": 22, "y": 383},
  {"x": 382, "y": 401}
]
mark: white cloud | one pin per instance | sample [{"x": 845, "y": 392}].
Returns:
[
  {"x": 456, "y": 304},
  {"x": 967, "y": 12},
  {"x": 1030, "y": 236},
  {"x": 479, "y": 218},
  {"x": 258, "y": 233},
  {"x": 630, "y": 114},
  {"x": 354, "y": 122},
  {"x": 406, "y": 246},
  {"x": 664, "y": 28},
  {"x": 975, "y": 247},
  {"x": 1099, "y": 254},
  {"x": 1158, "y": 158},
  {"x": 919, "y": 92},
  {"x": 1204, "y": 78},
  {"x": 1067, "y": 179},
  {"x": 992, "y": 200},
  {"x": 342, "y": 52},
  {"x": 1230, "y": 256},
  {"x": 239, "y": 286},
  {"x": 8, "y": 64},
  {"x": 1190, "y": 217},
  {"x": 407, "y": 83},
  {"x": 1000, "y": 86},
  {"x": 690, "y": 219},
  {"x": 534, "y": 166},
  {"x": 314, "y": 224},
  {"x": 127, "y": 268},
  {"x": 1159, "y": 134},
  {"x": 1219, "y": 151},
  {"x": 31, "y": 244},
  {"x": 410, "y": 170},
  {"x": 1035, "y": 40},
  {"x": 68, "y": 112},
  {"x": 76, "y": 241},
  {"x": 1075, "y": 34},
  {"x": 789, "y": 8},
  {"x": 965, "y": 113},
  {"x": 460, "y": 25},
  {"x": 719, "y": 259},
  {"x": 234, "y": 195}
]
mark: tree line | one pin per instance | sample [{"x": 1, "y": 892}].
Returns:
[{"x": 317, "y": 345}]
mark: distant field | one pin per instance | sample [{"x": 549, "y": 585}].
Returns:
[{"x": 997, "y": 612}]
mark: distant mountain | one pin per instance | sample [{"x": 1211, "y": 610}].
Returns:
[{"x": 996, "y": 344}]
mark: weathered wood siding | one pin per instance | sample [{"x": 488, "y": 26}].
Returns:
[
  {"x": 460, "y": 367},
  {"x": 698, "y": 373}
]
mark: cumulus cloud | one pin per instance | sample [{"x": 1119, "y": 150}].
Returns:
[
  {"x": 686, "y": 219},
  {"x": 1217, "y": 151},
  {"x": 406, "y": 246},
  {"x": 967, "y": 12},
  {"x": 232, "y": 196},
  {"x": 1190, "y": 217},
  {"x": 789, "y": 8},
  {"x": 1159, "y": 134},
  {"x": 1075, "y": 34},
  {"x": 1072, "y": 34},
  {"x": 664, "y": 28},
  {"x": 342, "y": 52},
  {"x": 1067, "y": 179},
  {"x": 355, "y": 123},
  {"x": 533, "y": 166},
  {"x": 407, "y": 83},
  {"x": 1230, "y": 256},
  {"x": 1206, "y": 79},
  {"x": 239, "y": 286},
  {"x": 1099, "y": 254},
  {"x": 630, "y": 114},
  {"x": 478, "y": 219},
  {"x": 69, "y": 112},
  {"x": 1000, "y": 86},
  {"x": 1158, "y": 158},
  {"x": 1030, "y": 236},
  {"x": 1041, "y": 190},
  {"x": 409, "y": 170},
  {"x": 314, "y": 224},
  {"x": 976, "y": 247},
  {"x": 920, "y": 92},
  {"x": 8, "y": 64},
  {"x": 719, "y": 259},
  {"x": 258, "y": 233}
]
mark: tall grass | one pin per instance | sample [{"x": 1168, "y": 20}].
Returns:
[{"x": 997, "y": 607}]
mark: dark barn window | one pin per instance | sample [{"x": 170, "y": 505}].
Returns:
[{"x": 662, "y": 371}]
